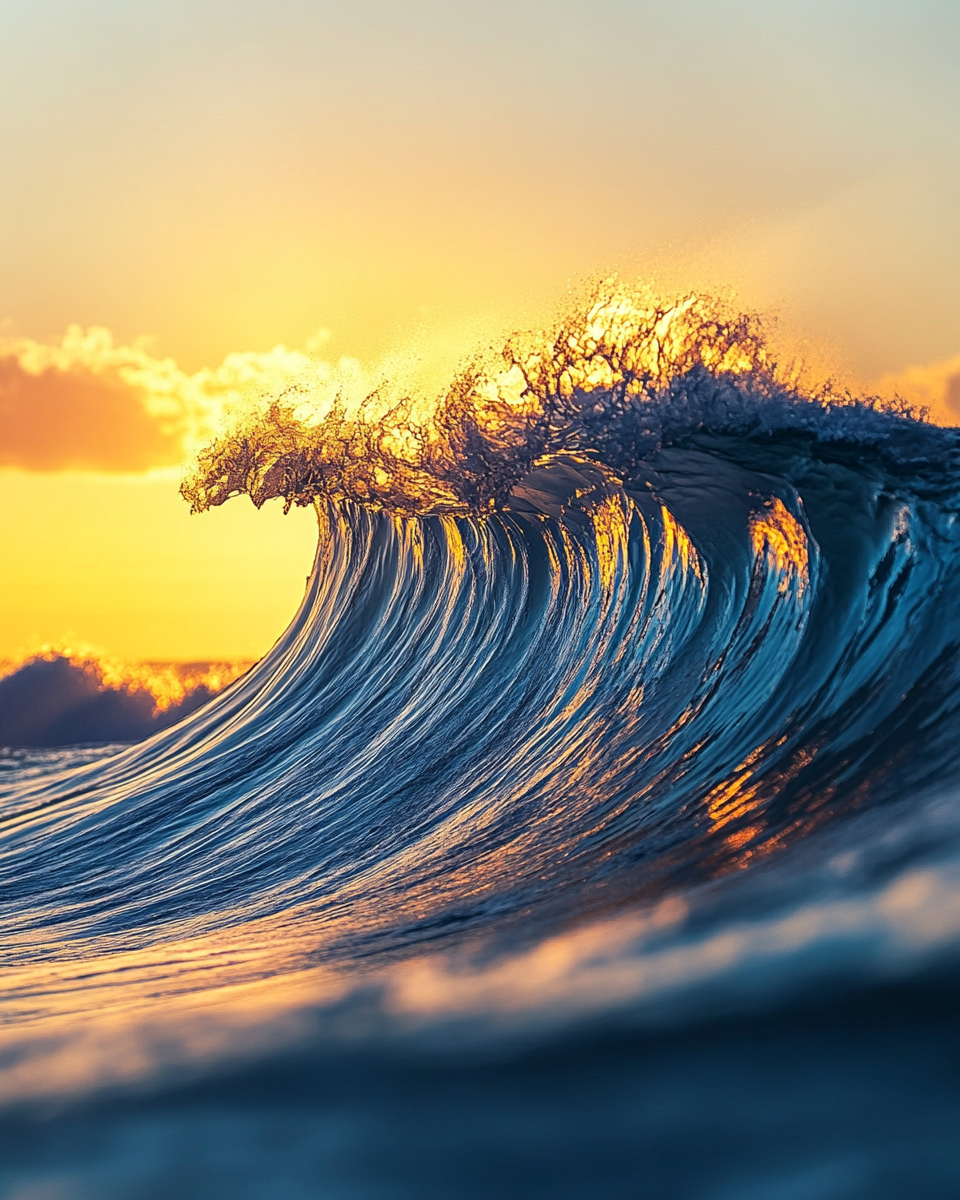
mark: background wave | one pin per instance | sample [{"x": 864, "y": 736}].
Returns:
[{"x": 63, "y": 697}]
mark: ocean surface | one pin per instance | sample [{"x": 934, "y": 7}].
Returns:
[{"x": 592, "y": 831}]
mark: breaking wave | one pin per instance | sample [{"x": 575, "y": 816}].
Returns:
[{"x": 624, "y": 688}]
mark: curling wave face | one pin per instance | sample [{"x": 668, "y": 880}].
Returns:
[{"x": 600, "y": 683}]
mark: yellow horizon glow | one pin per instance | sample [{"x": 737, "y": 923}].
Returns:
[{"x": 118, "y": 563}]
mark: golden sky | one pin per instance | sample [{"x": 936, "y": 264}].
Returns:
[{"x": 207, "y": 200}]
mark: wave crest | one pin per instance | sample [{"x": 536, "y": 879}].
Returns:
[{"x": 615, "y": 380}]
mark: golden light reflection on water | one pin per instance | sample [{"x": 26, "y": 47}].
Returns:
[
  {"x": 748, "y": 792},
  {"x": 736, "y": 796},
  {"x": 779, "y": 537},
  {"x": 781, "y": 552},
  {"x": 611, "y": 521},
  {"x": 677, "y": 546}
]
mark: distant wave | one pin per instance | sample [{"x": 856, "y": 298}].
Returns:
[
  {"x": 628, "y": 669},
  {"x": 65, "y": 698}
]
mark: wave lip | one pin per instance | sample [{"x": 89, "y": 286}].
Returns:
[{"x": 616, "y": 381}]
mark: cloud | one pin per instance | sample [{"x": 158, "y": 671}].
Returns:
[
  {"x": 77, "y": 419},
  {"x": 92, "y": 404}
]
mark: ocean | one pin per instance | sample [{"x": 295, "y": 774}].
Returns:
[{"x": 592, "y": 831}]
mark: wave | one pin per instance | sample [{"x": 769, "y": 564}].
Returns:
[
  {"x": 64, "y": 697},
  {"x": 633, "y": 689}
]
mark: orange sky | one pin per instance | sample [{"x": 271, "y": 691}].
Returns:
[{"x": 205, "y": 201}]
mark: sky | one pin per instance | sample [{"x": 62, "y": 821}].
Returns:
[{"x": 208, "y": 200}]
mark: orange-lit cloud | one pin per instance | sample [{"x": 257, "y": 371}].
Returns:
[
  {"x": 76, "y": 419},
  {"x": 88, "y": 404},
  {"x": 91, "y": 404}
]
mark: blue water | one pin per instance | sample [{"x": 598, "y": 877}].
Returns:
[{"x": 603, "y": 842}]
